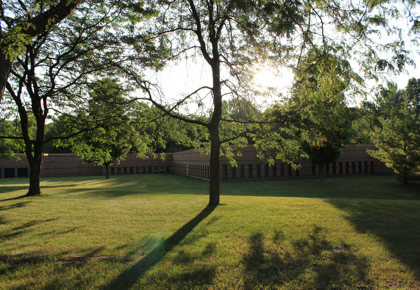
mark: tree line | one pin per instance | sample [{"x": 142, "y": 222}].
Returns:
[{"x": 77, "y": 74}]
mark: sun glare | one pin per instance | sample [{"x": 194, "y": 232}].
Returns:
[{"x": 269, "y": 77}]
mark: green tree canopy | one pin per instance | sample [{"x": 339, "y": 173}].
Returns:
[
  {"x": 116, "y": 126},
  {"x": 23, "y": 20},
  {"x": 315, "y": 119},
  {"x": 397, "y": 131}
]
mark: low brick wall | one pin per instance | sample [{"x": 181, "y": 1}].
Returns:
[
  {"x": 70, "y": 165},
  {"x": 190, "y": 163},
  {"x": 354, "y": 160},
  {"x": 14, "y": 168}
]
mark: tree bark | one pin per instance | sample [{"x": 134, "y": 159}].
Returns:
[
  {"x": 107, "y": 171},
  {"x": 35, "y": 175},
  {"x": 406, "y": 175},
  {"x": 321, "y": 172},
  {"x": 214, "y": 196},
  {"x": 5, "y": 67}
]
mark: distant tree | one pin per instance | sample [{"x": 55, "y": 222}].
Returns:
[
  {"x": 8, "y": 146},
  {"x": 117, "y": 127},
  {"x": 397, "y": 132},
  {"x": 23, "y": 20},
  {"x": 316, "y": 112},
  {"x": 362, "y": 124}
]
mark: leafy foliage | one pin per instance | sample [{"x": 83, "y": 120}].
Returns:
[
  {"x": 319, "y": 98},
  {"x": 111, "y": 128},
  {"x": 9, "y": 147},
  {"x": 315, "y": 121},
  {"x": 397, "y": 132}
]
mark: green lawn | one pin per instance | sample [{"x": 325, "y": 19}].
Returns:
[{"x": 155, "y": 231}]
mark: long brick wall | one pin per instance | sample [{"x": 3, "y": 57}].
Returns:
[
  {"x": 71, "y": 165},
  {"x": 354, "y": 160}
]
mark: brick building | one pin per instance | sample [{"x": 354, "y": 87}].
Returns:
[{"x": 354, "y": 160}]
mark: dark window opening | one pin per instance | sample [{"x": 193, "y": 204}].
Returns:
[
  {"x": 242, "y": 171},
  {"x": 258, "y": 170},
  {"x": 274, "y": 170},
  {"x": 266, "y": 170},
  {"x": 233, "y": 172},
  {"x": 340, "y": 165},
  {"x": 334, "y": 168},
  {"x": 250, "y": 170},
  {"x": 347, "y": 168},
  {"x": 22, "y": 172},
  {"x": 9, "y": 172}
]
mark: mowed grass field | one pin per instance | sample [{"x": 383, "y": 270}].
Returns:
[{"x": 155, "y": 232}]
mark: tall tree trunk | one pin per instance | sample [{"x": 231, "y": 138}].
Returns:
[
  {"x": 107, "y": 171},
  {"x": 214, "y": 198},
  {"x": 35, "y": 174},
  {"x": 33, "y": 148},
  {"x": 321, "y": 172}
]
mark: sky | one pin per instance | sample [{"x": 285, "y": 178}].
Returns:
[{"x": 186, "y": 76}]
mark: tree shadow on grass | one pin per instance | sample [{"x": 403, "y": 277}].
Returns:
[
  {"x": 130, "y": 276},
  {"x": 10, "y": 188},
  {"x": 6, "y": 188},
  {"x": 14, "y": 198},
  {"x": 13, "y": 206},
  {"x": 364, "y": 187},
  {"x": 19, "y": 230},
  {"x": 55, "y": 265},
  {"x": 313, "y": 263},
  {"x": 395, "y": 222},
  {"x": 3, "y": 221},
  {"x": 130, "y": 185}
]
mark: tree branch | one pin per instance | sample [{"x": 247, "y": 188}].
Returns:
[
  {"x": 51, "y": 17},
  {"x": 199, "y": 32}
]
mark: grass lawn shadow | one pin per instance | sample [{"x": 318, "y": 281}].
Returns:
[
  {"x": 16, "y": 231},
  {"x": 323, "y": 264},
  {"x": 360, "y": 187},
  {"x": 130, "y": 276},
  {"x": 130, "y": 185},
  {"x": 396, "y": 223},
  {"x": 13, "y": 264}
]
